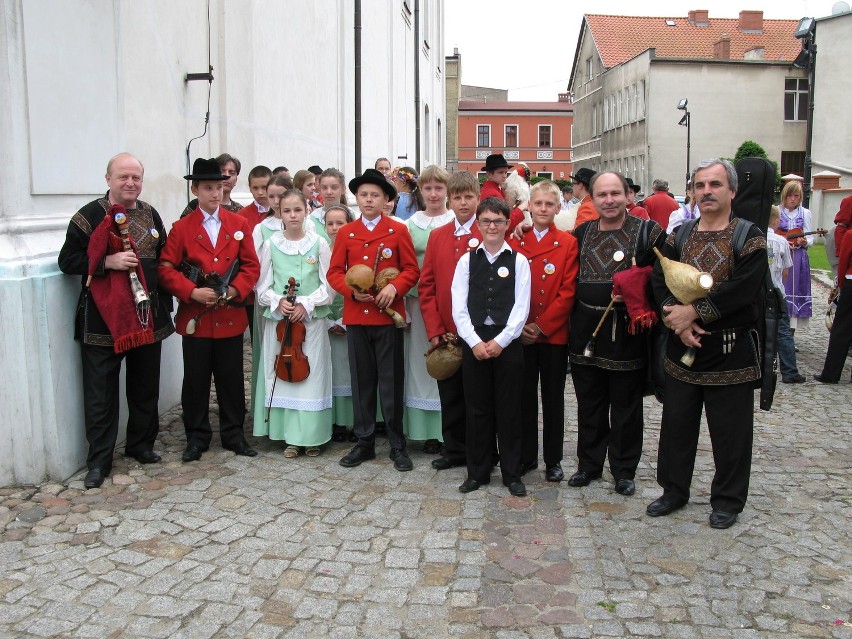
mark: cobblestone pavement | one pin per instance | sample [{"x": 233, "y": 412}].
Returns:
[{"x": 273, "y": 547}]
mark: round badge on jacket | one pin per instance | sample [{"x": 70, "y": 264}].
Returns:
[
  {"x": 550, "y": 269},
  {"x": 503, "y": 271},
  {"x": 311, "y": 259},
  {"x": 155, "y": 234},
  {"x": 387, "y": 253},
  {"x": 239, "y": 235},
  {"x": 618, "y": 256}
]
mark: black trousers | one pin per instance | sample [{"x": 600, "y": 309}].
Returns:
[
  {"x": 250, "y": 315},
  {"x": 549, "y": 363},
  {"x": 491, "y": 387},
  {"x": 222, "y": 360},
  {"x": 730, "y": 421},
  {"x": 609, "y": 419},
  {"x": 101, "y": 369},
  {"x": 840, "y": 337},
  {"x": 453, "y": 423},
  {"x": 376, "y": 363}
]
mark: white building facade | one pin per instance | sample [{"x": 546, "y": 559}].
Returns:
[{"x": 82, "y": 81}]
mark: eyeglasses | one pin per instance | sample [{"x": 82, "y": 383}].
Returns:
[{"x": 497, "y": 222}]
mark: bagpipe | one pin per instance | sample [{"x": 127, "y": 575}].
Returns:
[{"x": 363, "y": 279}]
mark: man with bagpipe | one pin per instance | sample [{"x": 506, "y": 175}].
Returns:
[{"x": 114, "y": 244}]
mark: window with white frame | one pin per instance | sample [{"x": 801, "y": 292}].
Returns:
[
  {"x": 544, "y": 136},
  {"x": 483, "y": 136},
  {"x": 796, "y": 99},
  {"x": 640, "y": 101},
  {"x": 548, "y": 175},
  {"x": 590, "y": 70},
  {"x": 510, "y": 136}
]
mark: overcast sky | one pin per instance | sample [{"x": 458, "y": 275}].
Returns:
[{"x": 528, "y": 47}]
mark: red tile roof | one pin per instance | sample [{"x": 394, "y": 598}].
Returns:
[
  {"x": 471, "y": 105},
  {"x": 620, "y": 38}
]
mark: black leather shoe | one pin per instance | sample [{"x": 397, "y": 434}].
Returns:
[
  {"x": 554, "y": 473},
  {"x": 442, "y": 463},
  {"x": 527, "y": 467},
  {"x": 721, "y": 519},
  {"x": 823, "y": 380},
  {"x": 795, "y": 379},
  {"x": 582, "y": 478},
  {"x": 469, "y": 485},
  {"x": 664, "y": 505},
  {"x": 517, "y": 488},
  {"x": 94, "y": 478},
  {"x": 432, "y": 447},
  {"x": 244, "y": 450},
  {"x": 625, "y": 487},
  {"x": 357, "y": 456},
  {"x": 147, "y": 457},
  {"x": 339, "y": 433},
  {"x": 401, "y": 460},
  {"x": 192, "y": 453}
]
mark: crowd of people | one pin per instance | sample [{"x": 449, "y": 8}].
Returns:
[{"x": 510, "y": 282}]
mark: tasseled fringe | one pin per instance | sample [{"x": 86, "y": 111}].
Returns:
[
  {"x": 642, "y": 322},
  {"x": 134, "y": 339}
]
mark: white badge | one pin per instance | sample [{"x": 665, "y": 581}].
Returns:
[
  {"x": 550, "y": 269},
  {"x": 311, "y": 259},
  {"x": 386, "y": 254},
  {"x": 618, "y": 256},
  {"x": 503, "y": 271},
  {"x": 239, "y": 235},
  {"x": 155, "y": 234},
  {"x": 120, "y": 218},
  {"x": 473, "y": 242}
]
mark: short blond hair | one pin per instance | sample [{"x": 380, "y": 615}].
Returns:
[
  {"x": 548, "y": 186},
  {"x": 463, "y": 182},
  {"x": 434, "y": 173}
]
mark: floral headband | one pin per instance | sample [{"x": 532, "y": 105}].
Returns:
[{"x": 405, "y": 176}]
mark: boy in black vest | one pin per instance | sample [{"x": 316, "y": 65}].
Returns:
[{"x": 491, "y": 297}]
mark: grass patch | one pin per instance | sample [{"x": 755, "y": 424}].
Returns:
[
  {"x": 608, "y": 605},
  {"x": 816, "y": 254}
]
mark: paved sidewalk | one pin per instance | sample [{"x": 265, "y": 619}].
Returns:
[{"x": 272, "y": 547}]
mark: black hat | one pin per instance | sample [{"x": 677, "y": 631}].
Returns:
[
  {"x": 205, "y": 170},
  {"x": 634, "y": 187},
  {"x": 371, "y": 176},
  {"x": 495, "y": 161},
  {"x": 315, "y": 169},
  {"x": 584, "y": 176}
]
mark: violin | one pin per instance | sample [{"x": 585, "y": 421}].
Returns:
[
  {"x": 794, "y": 234},
  {"x": 291, "y": 364}
]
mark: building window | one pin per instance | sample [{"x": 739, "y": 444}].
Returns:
[
  {"x": 796, "y": 99},
  {"x": 544, "y": 135},
  {"x": 511, "y": 136},
  {"x": 590, "y": 72},
  {"x": 483, "y": 136},
  {"x": 640, "y": 101},
  {"x": 481, "y": 175},
  {"x": 793, "y": 162},
  {"x": 547, "y": 175},
  {"x": 628, "y": 112},
  {"x": 594, "y": 121}
]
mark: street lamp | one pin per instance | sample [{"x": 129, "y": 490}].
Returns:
[
  {"x": 684, "y": 121},
  {"x": 806, "y": 31}
]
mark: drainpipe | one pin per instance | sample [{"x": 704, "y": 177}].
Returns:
[
  {"x": 417, "y": 85},
  {"x": 357, "y": 87}
]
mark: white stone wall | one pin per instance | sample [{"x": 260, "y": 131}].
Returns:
[{"x": 81, "y": 81}]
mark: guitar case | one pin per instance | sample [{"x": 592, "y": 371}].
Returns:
[{"x": 756, "y": 191}]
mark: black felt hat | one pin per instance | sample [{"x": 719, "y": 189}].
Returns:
[
  {"x": 583, "y": 176},
  {"x": 205, "y": 170},
  {"x": 634, "y": 187},
  {"x": 371, "y": 176},
  {"x": 495, "y": 161},
  {"x": 315, "y": 169}
]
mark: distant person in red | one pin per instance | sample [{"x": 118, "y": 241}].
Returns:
[
  {"x": 587, "y": 211},
  {"x": 496, "y": 170},
  {"x": 633, "y": 208},
  {"x": 661, "y": 204}
]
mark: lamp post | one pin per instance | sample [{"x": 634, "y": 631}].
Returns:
[
  {"x": 805, "y": 31},
  {"x": 684, "y": 121}
]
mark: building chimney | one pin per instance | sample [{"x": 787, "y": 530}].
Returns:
[
  {"x": 722, "y": 49},
  {"x": 751, "y": 21},
  {"x": 564, "y": 97},
  {"x": 699, "y": 18}
]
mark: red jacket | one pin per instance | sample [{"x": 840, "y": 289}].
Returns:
[
  {"x": 188, "y": 241},
  {"x": 660, "y": 206},
  {"x": 552, "y": 294},
  {"x": 638, "y": 211},
  {"x": 844, "y": 265},
  {"x": 490, "y": 189},
  {"x": 356, "y": 245},
  {"x": 443, "y": 251},
  {"x": 586, "y": 212}
]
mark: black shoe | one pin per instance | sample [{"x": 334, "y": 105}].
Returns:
[
  {"x": 517, "y": 488},
  {"x": 823, "y": 380},
  {"x": 94, "y": 478},
  {"x": 554, "y": 473},
  {"x": 664, "y": 505},
  {"x": 469, "y": 485},
  {"x": 443, "y": 463},
  {"x": 192, "y": 453},
  {"x": 339, "y": 433},
  {"x": 381, "y": 429},
  {"x": 146, "y": 457},
  {"x": 243, "y": 449},
  {"x": 527, "y": 467},
  {"x": 721, "y": 519},
  {"x": 432, "y": 447},
  {"x": 795, "y": 379},
  {"x": 582, "y": 478},
  {"x": 625, "y": 487},
  {"x": 357, "y": 456},
  {"x": 401, "y": 460}
]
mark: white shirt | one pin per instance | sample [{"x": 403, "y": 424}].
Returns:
[
  {"x": 371, "y": 224},
  {"x": 464, "y": 229},
  {"x": 678, "y": 216},
  {"x": 520, "y": 309},
  {"x": 807, "y": 220},
  {"x": 778, "y": 251},
  {"x": 539, "y": 235},
  {"x": 260, "y": 207},
  {"x": 212, "y": 223}
]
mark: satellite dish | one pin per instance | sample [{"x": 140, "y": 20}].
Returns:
[{"x": 840, "y": 7}]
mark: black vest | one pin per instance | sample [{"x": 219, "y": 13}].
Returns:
[{"x": 490, "y": 295}]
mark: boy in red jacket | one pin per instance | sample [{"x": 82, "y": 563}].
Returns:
[{"x": 210, "y": 247}]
